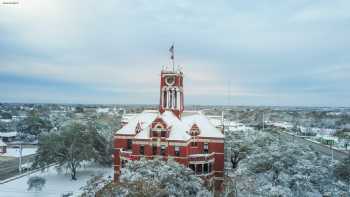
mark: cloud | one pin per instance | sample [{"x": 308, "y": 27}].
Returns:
[{"x": 280, "y": 53}]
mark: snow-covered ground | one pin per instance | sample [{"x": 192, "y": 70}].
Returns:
[
  {"x": 321, "y": 131},
  {"x": 232, "y": 125},
  {"x": 321, "y": 134},
  {"x": 236, "y": 126},
  {"x": 285, "y": 125},
  {"x": 57, "y": 183},
  {"x": 15, "y": 152}
]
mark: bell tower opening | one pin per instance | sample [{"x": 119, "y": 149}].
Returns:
[{"x": 171, "y": 92}]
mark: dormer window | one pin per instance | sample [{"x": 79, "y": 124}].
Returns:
[
  {"x": 163, "y": 134},
  {"x": 138, "y": 128},
  {"x": 159, "y": 130},
  {"x": 194, "y": 131},
  {"x": 158, "y": 127}
]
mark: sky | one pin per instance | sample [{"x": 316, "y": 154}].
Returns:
[{"x": 286, "y": 53}]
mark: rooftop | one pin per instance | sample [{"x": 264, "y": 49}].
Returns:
[
  {"x": 179, "y": 128},
  {"x": 8, "y": 134}
]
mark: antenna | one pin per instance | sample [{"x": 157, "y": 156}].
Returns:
[{"x": 229, "y": 93}]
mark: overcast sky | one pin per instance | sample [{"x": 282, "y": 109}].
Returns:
[{"x": 290, "y": 52}]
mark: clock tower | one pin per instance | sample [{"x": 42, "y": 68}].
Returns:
[{"x": 171, "y": 92}]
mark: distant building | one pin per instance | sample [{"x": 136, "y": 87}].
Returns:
[
  {"x": 188, "y": 137},
  {"x": 3, "y": 147},
  {"x": 8, "y": 136},
  {"x": 328, "y": 140}
]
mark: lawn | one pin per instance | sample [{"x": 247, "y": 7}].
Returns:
[{"x": 57, "y": 182}]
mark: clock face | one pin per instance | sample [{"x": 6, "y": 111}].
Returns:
[{"x": 170, "y": 81}]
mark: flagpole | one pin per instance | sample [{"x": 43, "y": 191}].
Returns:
[
  {"x": 173, "y": 65},
  {"x": 171, "y": 50},
  {"x": 173, "y": 58}
]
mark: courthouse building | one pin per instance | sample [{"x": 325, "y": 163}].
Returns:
[{"x": 188, "y": 137}]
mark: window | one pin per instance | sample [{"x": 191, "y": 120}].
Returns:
[
  {"x": 162, "y": 150},
  {"x": 124, "y": 162},
  {"x": 154, "y": 150},
  {"x": 177, "y": 151},
  {"x": 192, "y": 167},
  {"x": 164, "y": 100},
  {"x": 205, "y": 168},
  {"x": 199, "y": 169},
  {"x": 142, "y": 149},
  {"x": 129, "y": 144},
  {"x": 155, "y": 133},
  {"x": 193, "y": 143},
  {"x": 205, "y": 148},
  {"x": 162, "y": 134}
]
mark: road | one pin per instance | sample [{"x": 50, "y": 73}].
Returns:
[
  {"x": 9, "y": 165},
  {"x": 324, "y": 149}
]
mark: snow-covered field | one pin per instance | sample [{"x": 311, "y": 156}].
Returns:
[
  {"x": 15, "y": 152},
  {"x": 236, "y": 126},
  {"x": 57, "y": 183}
]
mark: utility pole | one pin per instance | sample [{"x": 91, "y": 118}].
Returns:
[
  {"x": 229, "y": 94},
  {"x": 293, "y": 138},
  {"x": 263, "y": 121},
  {"x": 20, "y": 158},
  {"x": 223, "y": 121},
  {"x": 332, "y": 151}
]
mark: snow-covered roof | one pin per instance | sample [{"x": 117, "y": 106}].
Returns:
[
  {"x": 15, "y": 152},
  {"x": 128, "y": 117},
  {"x": 216, "y": 121},
  {"x": 178, "y": 127},
  {"x": 6, "y": 120},
  {"x": 206, "y": 128},
  {"x": 8, "y": 134},
  {"x": 145, "y": 119},
  {"x": 2, "y": 143}
]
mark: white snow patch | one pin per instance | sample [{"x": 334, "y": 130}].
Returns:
[
  {"x": 15, "y": 152},
  {"x": 8, "y": 134},
  {"x": 56, "y": 184}
]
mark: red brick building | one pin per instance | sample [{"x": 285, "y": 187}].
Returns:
[{"x": 171, "y": 132}]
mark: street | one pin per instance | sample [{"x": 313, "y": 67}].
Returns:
[
  {"x": 337, "y": 155},
  {"x": 9, "y": 165}
]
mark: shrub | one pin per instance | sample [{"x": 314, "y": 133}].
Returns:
[{"x": 36, "y": 183}]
